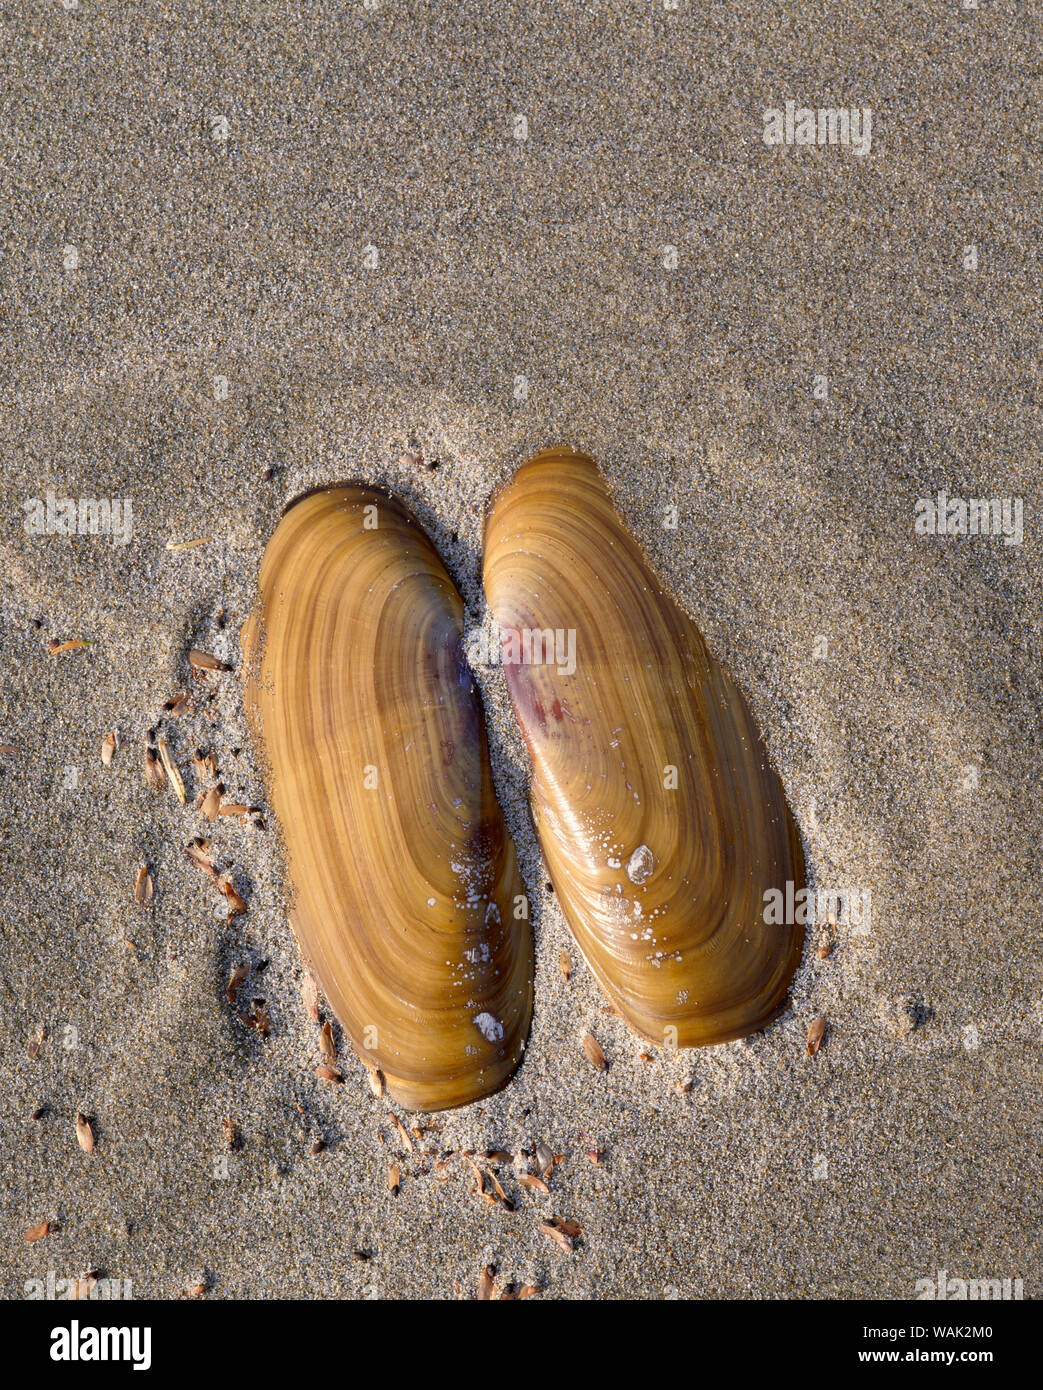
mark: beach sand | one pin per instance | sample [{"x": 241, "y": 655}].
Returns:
[{"x": 368, "y": 261}]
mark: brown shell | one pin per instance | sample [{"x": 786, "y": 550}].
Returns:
[
  {"x": 662, "y": 886},
  {"x": 408, "y": 902}
]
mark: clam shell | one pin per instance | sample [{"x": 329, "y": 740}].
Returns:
[
  {"x": 407, "y": 900},
  {"x": 662, "y": 885}
]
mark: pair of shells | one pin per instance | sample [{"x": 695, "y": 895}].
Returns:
[{"x": 661, "y": 820}]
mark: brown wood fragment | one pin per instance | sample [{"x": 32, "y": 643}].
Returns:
[
  {"x": 108, "y": 748},
  {"x": 203, "y": 764},
  {"x": 236, "y": 902},
  {"x": 331, "y": 1074},
  {"x": 259, "y": 1019},
  {"x": 231, "y": 1134},
  {"x": 188, "y": 545},
  {"x": 236, "y": 808},
  {"x": 203, "y": 661},
  {"x": 501, "y": 1196},
  {"x": 595, "y": 1052},
  {"x": 199, "y": 854},
  {"x": 171, "y": 770},
  {"x": 143, "y": 887},
  {"x": 591, "y": 1151},
  {"x": 84, "y": 1133},
  {"x": 56, "y": 648},
  {"x": 531, "y": 1181},
  {"x": 155, "y": 773},
  {"x": 816, "y": 1032},
  {"x": 486, "y": 1283},
  {"x": 327, "y": 1046},
  {"x": 236, "y": 978},
  {"x": 403, "y": 1133},
  {"x": 554, "y": 1230}
]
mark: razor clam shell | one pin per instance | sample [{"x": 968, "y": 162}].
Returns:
[
  {"x": 404, "y": 894},
  {"x": 662, "y": 889}
]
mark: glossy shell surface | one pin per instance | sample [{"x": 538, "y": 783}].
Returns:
[
  {"x": 662, "y": 822},
  {"x": 406, "y": 897}
]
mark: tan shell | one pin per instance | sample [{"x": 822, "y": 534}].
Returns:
[
  {"x": 662, "y": 887},
  {"x": 408, "y": 901}
]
